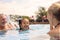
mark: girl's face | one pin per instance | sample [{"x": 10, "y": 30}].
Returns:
[{"x": 25, "y": 24}]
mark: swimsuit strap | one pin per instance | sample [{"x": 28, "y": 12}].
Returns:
[{"x": 57, "y": 25}]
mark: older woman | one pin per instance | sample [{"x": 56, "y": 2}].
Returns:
[{"x": 53, "y": 16}]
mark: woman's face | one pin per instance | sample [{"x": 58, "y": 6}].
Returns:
[
  {"x": 25, "y": 24},
  {"x": 50, "y": 18}
]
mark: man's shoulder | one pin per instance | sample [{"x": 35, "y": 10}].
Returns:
[{"x": 13, "y": 25}]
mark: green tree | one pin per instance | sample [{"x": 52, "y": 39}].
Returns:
[
  {"x": 26, "y": 17},
  {"x": 41, "y": 12}
]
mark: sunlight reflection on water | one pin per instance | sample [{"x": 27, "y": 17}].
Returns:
[{"x": 36, "y": 32}]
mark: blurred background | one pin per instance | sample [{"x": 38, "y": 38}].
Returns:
[{"x": 34, "y": 10}]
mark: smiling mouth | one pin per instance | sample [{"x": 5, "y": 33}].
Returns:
[{"x": 26, "y": 26}]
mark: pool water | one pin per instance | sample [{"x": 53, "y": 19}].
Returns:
[{"x": 36, "y": 32}]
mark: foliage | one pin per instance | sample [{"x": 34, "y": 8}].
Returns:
[
  {"x": 25, "y": 17},
  {"x": 41, "y": 12}
]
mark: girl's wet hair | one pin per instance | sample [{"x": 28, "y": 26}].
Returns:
[
  {"x": 19, "y": 21},
  {"x": 20, "y": 24}
]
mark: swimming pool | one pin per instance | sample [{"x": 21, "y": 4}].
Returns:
[{"x": 36, "y": 32}]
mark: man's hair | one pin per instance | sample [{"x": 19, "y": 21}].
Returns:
[
  {"x": 2, "y": 14},
  {"x": 55, "y": 10}
]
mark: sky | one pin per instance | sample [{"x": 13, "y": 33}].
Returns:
[{"x": 23, "y": 7}]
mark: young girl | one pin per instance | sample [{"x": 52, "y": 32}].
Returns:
[{"x": 24, "y": 24}]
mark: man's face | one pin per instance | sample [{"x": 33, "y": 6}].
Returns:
[
  {"x": 25, "y": 24},
  {"x": 3, "y": 20}
]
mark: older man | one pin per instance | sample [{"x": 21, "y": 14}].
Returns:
[{"x": 3, "y": 23}]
